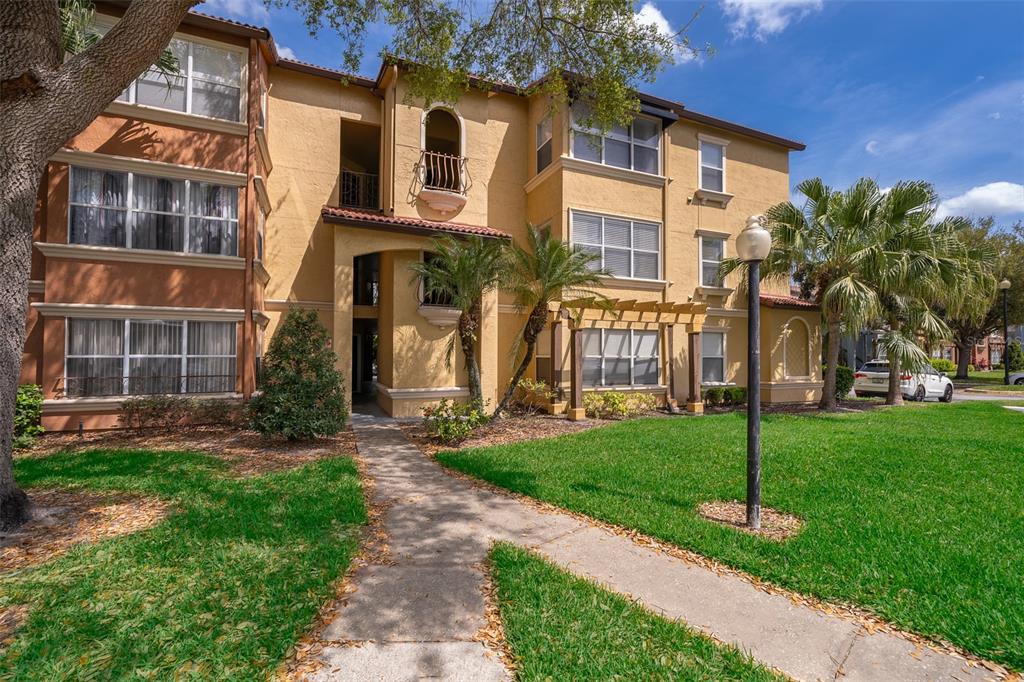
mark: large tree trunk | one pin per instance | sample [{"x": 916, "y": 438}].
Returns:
[
  {"x": 534, "y": 324},
  {"x": 894, "y": 396},
  {"x": 832, "y": 344},
  {"x": 45, "y": 100},
  {"x": 469, "y": 322},
  {"x": 963, "y": 361}
]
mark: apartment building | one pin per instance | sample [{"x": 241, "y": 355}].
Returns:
[{"x": 178, "y": 228}]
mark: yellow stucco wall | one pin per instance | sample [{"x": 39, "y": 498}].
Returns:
[{"x": 311, "y": 262}]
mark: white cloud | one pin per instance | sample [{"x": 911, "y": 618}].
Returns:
[
  {"x": 650, "y": 14},
  {"x": 763, "y": 18},
  {"x": 993, "y": 199},
  {"x": 286, "y": 52},
  {"x": 239, "y": 10},
  {"x": 995, "y": 116},
  {"x": 872, "y": 148}
]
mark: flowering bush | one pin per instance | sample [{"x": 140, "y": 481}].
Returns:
[{"x": 617, "y": 405}]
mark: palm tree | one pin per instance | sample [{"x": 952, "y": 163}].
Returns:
[
  {"x": 824, "y": 246},
  {"x": 461, "y": 272},
  {"x": 920, "y": 263},
  {"x": 547, "y": 270}
]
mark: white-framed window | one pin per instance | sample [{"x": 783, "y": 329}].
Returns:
[
  {"x": 712, "y": 166},
  {"x": 135, "y": 211},
  {"x": 712, "y": 253},
  {"x": 145, "y": 357},
  {"x": 712, "y": 357},
  {"x": 628, "y": 248},
  {"x": 544, "y": 144},
  {"x": 261, "y": 233},
  {"x": 620, "y": 357},
  {"x": 209, "y": 81},
  {"x": 636, "y": 146}
]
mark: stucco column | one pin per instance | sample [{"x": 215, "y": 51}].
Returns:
[
  {"x": 341, "y": 332},
  {"x": 694, "y": 402},
  {"x": 490, "y": 354},
  {"x": 670, "y": 363}
]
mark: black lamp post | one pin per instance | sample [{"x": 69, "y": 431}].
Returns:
[
  {"x": 1004, "y": 286},
  {"x": 752, "y": 247}
]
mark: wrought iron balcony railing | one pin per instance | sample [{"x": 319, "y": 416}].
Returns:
[
  {"x": 443, "y": 172},
  {"x": 78, "y": 387},
  {"x": 359, "y": 190}
]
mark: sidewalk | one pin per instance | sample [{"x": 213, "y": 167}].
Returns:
[{"x": 416, "y": 615}]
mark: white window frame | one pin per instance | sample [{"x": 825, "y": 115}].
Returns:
[
  {"x": 724, "y": 357},
  {"x": 126, "y": 354},
  {"x": 574, "y": 128},
  {"x": 106, "y": 22},
  {"x": 632, "y": 357},
  {"x": 545, "y": 126},
  {"x": 632, "y": 249},
  {"x": 724, "y": 144},
  {"x": 130, "y": 211},
  {"x": 719, "y": 282}
]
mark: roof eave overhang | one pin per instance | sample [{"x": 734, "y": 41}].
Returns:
[{"x": 403, "y": 229}]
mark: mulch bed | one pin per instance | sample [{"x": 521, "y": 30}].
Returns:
[
  {"x": 775, "y": 525},
  {"x": 513, "y": 428},
  {"x": 247, "y": 452},
  {"x": 62, "y": 519}
]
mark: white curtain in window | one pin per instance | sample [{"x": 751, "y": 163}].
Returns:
[
  {"x": 159, "y": 216},
  {"x": 94, "y": 359},
  {"x": 211, "y": 357},
  {"x": 98, "y": 202},
  {"x": 213, "y": 219}
]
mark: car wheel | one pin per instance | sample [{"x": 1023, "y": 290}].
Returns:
[
  {"x": 919, "y": 394},
  {"x": 947, "y": 395},
  {"x": 1019, "y": 382}
]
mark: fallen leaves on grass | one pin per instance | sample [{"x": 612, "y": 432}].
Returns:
[
  {"x": 775, "y": 525},
  {"x": 62, "y": 519},
  {"x": 11, "y": 619},
  {"x": 247, "y": 452},
  {"x": 492, "y": 634}
]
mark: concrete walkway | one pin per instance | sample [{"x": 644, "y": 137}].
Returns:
[{"x": 415, "y": 616}]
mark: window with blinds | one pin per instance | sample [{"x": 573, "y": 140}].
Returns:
[
  {"x": 620, "y": 357},
  {"x": 712, "y": 351},
  {"x": 627, "y": 248},
  {"x": 116, "y": 208},
  {"x": 636, "y": 146},
  {"x": 146, "y": 357}
]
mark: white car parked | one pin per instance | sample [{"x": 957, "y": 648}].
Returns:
[
  {"x": 873, "y": 379},
  {"x": 1017, "y": 378}
]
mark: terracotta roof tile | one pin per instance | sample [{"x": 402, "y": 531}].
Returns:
[
  {"x": 776, "y": 301},
  {"x": 371, "y": 218}
]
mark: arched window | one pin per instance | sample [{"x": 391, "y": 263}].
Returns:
[
  {"x": 442, "y": 152},
  {"x": 796, "y": 349}
]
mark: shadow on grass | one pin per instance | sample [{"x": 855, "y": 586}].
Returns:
[{"x": 222, "y": 588}]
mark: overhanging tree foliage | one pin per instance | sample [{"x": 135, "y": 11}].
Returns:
[{"x": 45, "y": 100}]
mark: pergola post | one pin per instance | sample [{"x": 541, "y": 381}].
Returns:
[
  {"x": 576, "y": 411},
  {"x": 670, "y": 378},
  {"x": 694, "y": 402},
  {"x": 556, "y": 361}
]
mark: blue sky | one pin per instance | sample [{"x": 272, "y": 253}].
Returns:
[{"x": 890, "y": 90}]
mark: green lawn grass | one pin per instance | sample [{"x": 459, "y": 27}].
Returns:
[
  {"x": 560, "y": 627},
  {"x": 988, "y": 376},
  {"x": 220, "y": 589},
  {"x": 911, "y": 512}
]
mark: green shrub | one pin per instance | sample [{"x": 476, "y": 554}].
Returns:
[
  {"x": 215, "y": 412},
  {"x": 1015, "y": 356},
  {"x": 714, "y": 396},
  {"x": 618, "y": 405},
  {"x": 531, "y": 395},
  {"x": 844, "y": 380},
  {"x": 451, "y": 422},
  {"x": 155, "y": 411},
  {"x": 28, "y": 409},
  {"x": 943, "y": 365},
  {"x": 303, "y": 393},
  {"x": 735, "y": 395}
]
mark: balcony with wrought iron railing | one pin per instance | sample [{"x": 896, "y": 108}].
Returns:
[
  {"x": 443, "y": 180},
  {"x": 113, "y": 386},
  {"x": 359, "y": 190}
]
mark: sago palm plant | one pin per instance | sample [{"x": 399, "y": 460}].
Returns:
[
  {"x": 460, "y": 272},
  {"x": 546, "y": 269}
]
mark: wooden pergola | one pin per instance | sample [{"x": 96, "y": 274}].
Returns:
[{"x": 593, "y": 313}]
